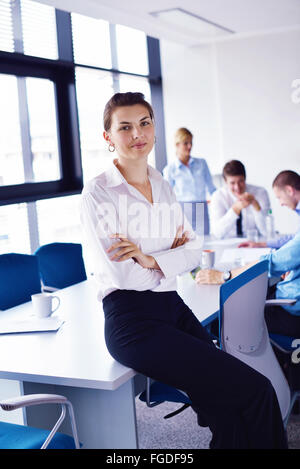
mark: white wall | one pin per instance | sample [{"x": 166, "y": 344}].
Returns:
[
  {"x": 190, "y": 99},
  {"x": 236, "y": 98}
]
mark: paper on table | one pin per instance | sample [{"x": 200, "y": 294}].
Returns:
[
  {"x": 30, "y": 325},
  {"x": 224, "y": 242},
  {"x": 247, "y": 254}
]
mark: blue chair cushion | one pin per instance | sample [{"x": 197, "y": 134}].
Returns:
[
  {"x": 14, "y": 436},
  {"x": 61, "y": 264},
  {"x": 283, "y": 341},
  {"x": 161, "y": 392},
  {"x": 19, "y": 279}
]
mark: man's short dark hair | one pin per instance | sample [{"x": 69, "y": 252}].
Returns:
[
  {"x": 234, "y": 168},
  {"x": 287, "y": 178}
]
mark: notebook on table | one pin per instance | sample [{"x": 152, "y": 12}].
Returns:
[
  {"x": 30, "y": 325},
  {"x": 247, "y": 254}
]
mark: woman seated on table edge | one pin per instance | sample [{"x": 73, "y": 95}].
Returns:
[{"x": 148, "y": 327}]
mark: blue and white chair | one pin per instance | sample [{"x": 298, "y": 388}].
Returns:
[
  {"x": 13, "y": 436},
  {"x": 19, "y": 279},
  {"x": 197, "y": 216},
  {"x": 243, "y": 331},
  {"x": 288, "y": 346},
  {"x": 156, "y": 393},
  {"x": 61, "y": 265}
]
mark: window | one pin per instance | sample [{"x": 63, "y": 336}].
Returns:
[
  {"x": 43, "y": 129},
  {"x": 40, "y": 149},
  {"x": 57, "y": 71},
  {"x": 132, "y": 50},
  {"x": 91, "y": 41},
  {"x": 39, "y": 29},
  {"x": 14, "y": 229},
  {"x": 6, "y": 26},
  {"x": 94, "y": 88},
  {"x": 11, "y": 161},
  {"x": 58, "y": 220},
  {"x": 35, "y": 158},
  {"x": 129, "y": 83}
]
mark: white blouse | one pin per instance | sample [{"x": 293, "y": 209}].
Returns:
[{"x": 110, "y": 205}]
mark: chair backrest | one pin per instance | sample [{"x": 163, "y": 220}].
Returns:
[
  {"x": 243, "y": 331},
  {"x": 61, "y": 264},
  {"x": 197, "y": 215},
  {"x": 19, "y": 279}
]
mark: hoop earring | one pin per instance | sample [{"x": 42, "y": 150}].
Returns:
[
  {"x": 154, "y": 139},
  {"x": 111, "y": 148}
]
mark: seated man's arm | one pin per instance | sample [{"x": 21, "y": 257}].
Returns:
[
  {"x": 215, "y": 277},
  {"x": 223, "y": 216}
]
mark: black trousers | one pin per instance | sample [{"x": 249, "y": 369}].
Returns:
[{"x": 156, "y": 334}]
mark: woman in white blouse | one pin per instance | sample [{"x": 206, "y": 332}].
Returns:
[{"x": 137, "y": 241}]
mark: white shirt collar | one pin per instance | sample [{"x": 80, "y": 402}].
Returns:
[{"x": 114, "y": 178}]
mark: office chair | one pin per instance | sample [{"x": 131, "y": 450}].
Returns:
[
  {"x": 19, "y": 279},
  {"x": 13, "y": 436},
  {"x": 197, "y": 216},
  {"x": 243, "y": 331},
  {"x": 156, "y": 393},
  {"x": 61, "y": 265},
  {"x": 286, "y": 346}
]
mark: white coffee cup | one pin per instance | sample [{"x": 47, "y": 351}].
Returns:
[
  {"x": 42, "y": 304},
  {"x": 208, "y": 259}
]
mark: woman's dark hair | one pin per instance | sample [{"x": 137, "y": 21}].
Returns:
[
  {"x": 287, "y": 178},
  {"x": 234, "y": 168},
  {"x": 123, "y": 99}
]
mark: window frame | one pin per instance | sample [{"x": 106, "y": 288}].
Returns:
[{"x": 62, "y": 73}]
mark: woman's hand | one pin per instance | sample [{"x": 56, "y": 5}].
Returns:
[
  {"x": 128, "y": 250},
  {"x": 180, "y": 238}
]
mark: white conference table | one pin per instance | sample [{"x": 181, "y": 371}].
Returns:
[{"x": 74, "y": 361}]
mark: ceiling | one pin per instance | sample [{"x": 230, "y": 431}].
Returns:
[{"x": 243, "y": 17}]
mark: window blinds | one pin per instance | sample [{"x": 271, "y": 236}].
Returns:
[
  {"x": 6, "y": 26},
  {"x": 38, "y": 28}
]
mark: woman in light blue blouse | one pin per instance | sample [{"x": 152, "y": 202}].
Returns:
[{"x": 189, "y": 177}]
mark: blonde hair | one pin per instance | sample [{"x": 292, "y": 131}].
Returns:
[{"x": 182, "y": 134}]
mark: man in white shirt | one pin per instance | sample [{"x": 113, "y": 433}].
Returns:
[{"x": 238, "y": 207}]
